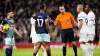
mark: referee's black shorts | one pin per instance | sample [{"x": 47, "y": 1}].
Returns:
[{"x": 67, "y": 35}]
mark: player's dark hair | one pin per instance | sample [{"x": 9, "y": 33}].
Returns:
[
  {"x": 61, "y": 5},
  {"x": 42, "y": 6},
  {"x": 9, "y": 11},
  {"x": 31, "y": 13},
  {"x": 90, "y": 6}
]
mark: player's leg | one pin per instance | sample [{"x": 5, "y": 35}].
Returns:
[
  {"x": 9, "y": 42},
  {"x": 84, "y": 48},
  {"x": 36, "y": 48},
  {"x": 34, "y": 41},
  {"x": 48, "y": 50},
  {"x": 43, "y": 49},
  {"x": 64, "y": 49},
  {"x": 35, "y": 44},
  {"x": 83, "y": 40},
  {"x": 46, "y": 39},
  {"x": 38, "y": 44},
  {"x": 64, "y": 41},
  {"x": 8, "y": 50},
  {"x": 71, "y": 38},
  {"x": 74, "y": 48},
  {"x": 90, "y": 44}
]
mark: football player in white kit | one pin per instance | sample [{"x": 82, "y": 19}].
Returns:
[
  {"x": 33, "y": 34},
  {"x": 83, "y": 29},
  {"x": 91, "y": 28}
]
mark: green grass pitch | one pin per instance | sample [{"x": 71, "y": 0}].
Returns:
[{"x": 54, "y": 51}]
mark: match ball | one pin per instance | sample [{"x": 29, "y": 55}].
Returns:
[{"x": 6, "y": 27}]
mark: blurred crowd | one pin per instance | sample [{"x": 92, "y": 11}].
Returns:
[{"x": 22, "y": 8}]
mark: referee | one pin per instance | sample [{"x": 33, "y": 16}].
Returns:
[{"x": 66, "y": 20}]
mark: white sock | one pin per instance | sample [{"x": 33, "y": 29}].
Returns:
[
  {"x": 42, "y": 48},
  {"x": 90, "y": 48},
  {"x": 85, "y": 49}
]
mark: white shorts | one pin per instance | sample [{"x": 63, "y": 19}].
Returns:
[
  {"x": 9, "y": 41},
  {"x": 86, "y": 37},
  {"x": 34, "y": 38}
]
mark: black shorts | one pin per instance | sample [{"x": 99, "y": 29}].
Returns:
[{"x": 67, "y": 35}]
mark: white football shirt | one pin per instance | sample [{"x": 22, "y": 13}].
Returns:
[
  {"x": 83, "y": 16},
  {"x": 91, "y": 22},
  {"x": 33, "y": 32}
]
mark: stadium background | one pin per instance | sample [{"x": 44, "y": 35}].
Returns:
[{"x": 22, "y": 8}]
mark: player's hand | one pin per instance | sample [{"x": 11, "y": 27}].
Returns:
[
  {"x": 20, "y": 36},
  {"x": 3, "y": 31}
]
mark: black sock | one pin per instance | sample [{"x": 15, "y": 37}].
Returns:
[
  {"x": 64, "y": 50},
  {"x": 11, "y": 52},
  {"x": 34, "y": 54},
  {"x": 75, "y": 49},
  {"x": 48, "y": 54},
  {"x": 8, "y": 52}
]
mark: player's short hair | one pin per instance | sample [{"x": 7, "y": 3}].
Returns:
[
  {"x": 61, "y": 5},
  {"x": 9, "y": 11},
  {"x": 80, "y": 6},
  {"x": 31, "y": 13},
  {"x": 42, "y": 6}
]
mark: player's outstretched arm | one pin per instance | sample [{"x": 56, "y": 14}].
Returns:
[{"x": 15, "y": 30}]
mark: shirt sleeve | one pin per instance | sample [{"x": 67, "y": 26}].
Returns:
[
  {"x": 47, "y": 18},
  {"x": 32, "y": 21},
  {"x": 56, "y": 21},
  {"x": 81, "y": 17},
  {"x": 72, "y": 18},
  {"x": 3, "y": 23},
  {"x": 91, "y": 20}
]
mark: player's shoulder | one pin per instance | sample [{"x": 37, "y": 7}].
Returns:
[
  {"x": 58, "y": 15},
  {"x": 32, "y": 19},
  {"x": 82, "y": 14},
  {"x": 5, "y": 20},
  {"x": 44, "y": 14},
  {"x": 91, "y": 13}
]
